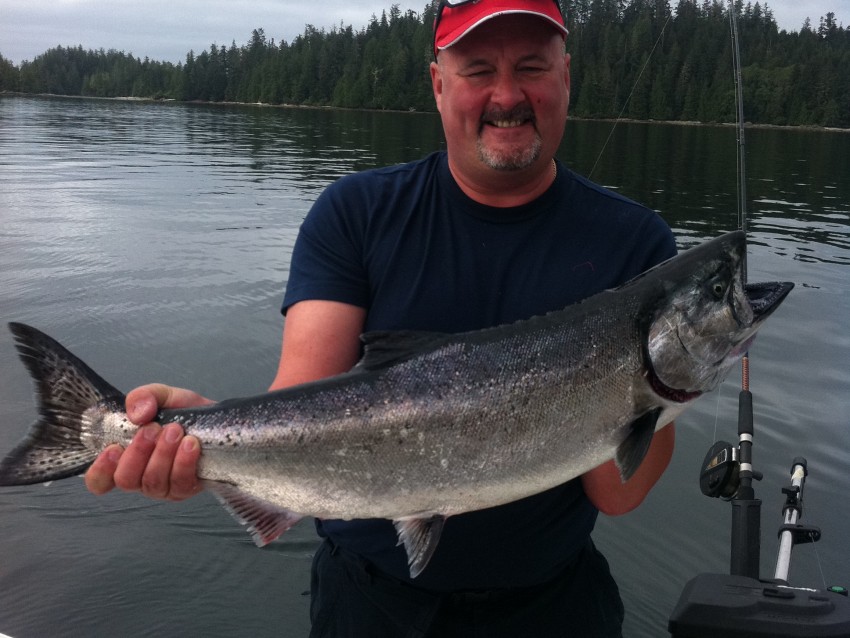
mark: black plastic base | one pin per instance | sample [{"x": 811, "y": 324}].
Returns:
[{"x": 714, "y": 605}]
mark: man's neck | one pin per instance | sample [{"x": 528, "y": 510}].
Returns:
[{"x": 505, "y": 189}]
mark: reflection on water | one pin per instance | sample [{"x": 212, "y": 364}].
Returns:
[{"x": 154, "y": 241}]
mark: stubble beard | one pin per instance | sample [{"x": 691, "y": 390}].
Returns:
[
  {"x": 512, "y": 159},
  {"x": 516, "y": 160}
]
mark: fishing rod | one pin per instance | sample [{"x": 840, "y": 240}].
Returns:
[
  {"x": 746, "y": 509},
  {"x": 740, "y": 604}
]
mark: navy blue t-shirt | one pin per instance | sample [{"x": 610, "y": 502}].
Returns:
[{"x": 406, "y": 244}]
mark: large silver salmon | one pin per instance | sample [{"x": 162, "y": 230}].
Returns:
[{"x": 431, "y": 425}]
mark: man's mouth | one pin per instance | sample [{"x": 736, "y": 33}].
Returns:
[
  {"x": 506, "y": 123},
  {"x": 509, "y": 119}
]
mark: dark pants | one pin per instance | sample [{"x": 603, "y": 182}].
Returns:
[{"x": 350, "y": 600}]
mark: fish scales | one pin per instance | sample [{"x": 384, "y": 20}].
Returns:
[{"x": 470, "y": 414}]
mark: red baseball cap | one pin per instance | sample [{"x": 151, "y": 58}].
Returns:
[{"x": 457, "y": 18}]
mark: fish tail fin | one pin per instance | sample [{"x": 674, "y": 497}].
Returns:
[{"x": 65, "y": 388}]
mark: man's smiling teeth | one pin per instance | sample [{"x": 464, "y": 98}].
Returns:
[{"x": 506, "y": 123}]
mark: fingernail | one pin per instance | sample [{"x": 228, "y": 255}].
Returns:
[
  {"x": 189, "y": 444},
  {"x": 173, "y": 433},
  {"x": 113, "y": 454},
  {"x": 137, "y": 410},
  {"x": 150, "y": 432}
]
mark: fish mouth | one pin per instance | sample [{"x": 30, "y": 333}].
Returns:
[{"x": 766, "y": 297}]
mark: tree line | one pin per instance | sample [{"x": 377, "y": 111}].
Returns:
[{"x": 640, "y": 59}]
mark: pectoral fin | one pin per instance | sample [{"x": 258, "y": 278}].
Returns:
[
  {"x": 264, "y": 521},
  {"x": 419, "y": 537},
  {"x": 630, "y": 452}
]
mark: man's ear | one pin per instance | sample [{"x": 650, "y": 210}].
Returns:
[{"x": 436, "y": 83}]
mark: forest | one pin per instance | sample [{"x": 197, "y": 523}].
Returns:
[{"x": 639, "y": 59}]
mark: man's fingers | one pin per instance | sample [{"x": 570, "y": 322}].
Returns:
[
  {"x": 184, "y": 471},
  {"x": 99, "y": 477},
  {"x": 172, "y": 469},
  {"x": 157, "y": 473},
  {"x": 160, "y": 461},
  {"x": 134, "y": 460},
  {"x": 143, "y": 403}
]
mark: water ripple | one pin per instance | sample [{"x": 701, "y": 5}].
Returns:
[{"x": 154, "y": 240}]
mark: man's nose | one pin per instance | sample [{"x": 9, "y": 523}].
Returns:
[{"x": 507, "y": 92}]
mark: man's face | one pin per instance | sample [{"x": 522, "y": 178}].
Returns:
[{"x": 503, "y": 93}]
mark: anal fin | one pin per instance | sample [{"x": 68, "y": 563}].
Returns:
[
  {"x": 630, "y": 452},
  {"x": 420, "y": 536},
  {"x": 265, "y": 521}
]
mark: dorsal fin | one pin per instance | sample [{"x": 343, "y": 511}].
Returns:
[{"x": 383, "y": 348}]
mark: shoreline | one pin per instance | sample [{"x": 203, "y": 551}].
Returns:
[{"x": 747, "y": 125}]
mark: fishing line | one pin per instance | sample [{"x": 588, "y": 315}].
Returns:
[
  {"x": 628, "y": 99},
  {"x": 817, "y": 560},
  {"x": 717, "y": 412},
  {"x": 741, "y": 164},
  {"x": 739, "y": 121}
]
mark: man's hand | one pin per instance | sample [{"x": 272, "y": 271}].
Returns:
[{"x": 160, "y": 462}]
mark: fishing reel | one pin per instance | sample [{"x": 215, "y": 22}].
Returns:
[{"x": 720, "y": 475}]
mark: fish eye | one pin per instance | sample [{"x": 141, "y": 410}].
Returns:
[{"x": 718, "y": 289}]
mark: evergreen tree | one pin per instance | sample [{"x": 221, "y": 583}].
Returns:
[
  {"x": 641, "y": 58},
  {"x": 10, "y": 79}
]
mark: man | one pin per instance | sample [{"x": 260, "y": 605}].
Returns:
[{"x": 491, "y": 231}]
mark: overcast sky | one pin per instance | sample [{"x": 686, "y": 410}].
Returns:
[{"x": 164, "y": 30}]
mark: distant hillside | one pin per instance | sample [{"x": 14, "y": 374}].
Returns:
[{"x": 638, "y": 58}]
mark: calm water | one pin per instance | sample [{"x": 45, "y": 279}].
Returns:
[{"x": 154, "y": 241}]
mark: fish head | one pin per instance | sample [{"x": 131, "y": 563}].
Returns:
[{"x": 708, "y": 317}]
